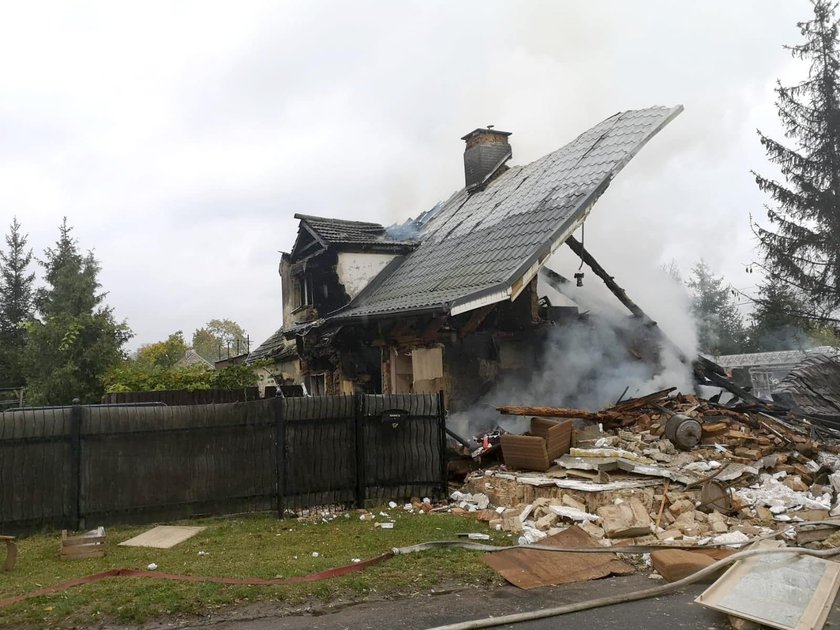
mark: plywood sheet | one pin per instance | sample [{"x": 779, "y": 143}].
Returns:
[
  {"x": 531, "y": 569},
  {"x": 163, "y": 536}
]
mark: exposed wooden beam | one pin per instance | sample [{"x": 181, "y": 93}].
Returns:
[
  {"x": 612, "y": 285},
  {"x": 478, "y": 316}
]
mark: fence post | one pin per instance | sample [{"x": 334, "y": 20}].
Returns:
[
  {"x": 359, "y": 447},
  {"x": 280, "y": 455},
  {"x": 76, "y": 455},
  {"x": 444, "y": 469}
]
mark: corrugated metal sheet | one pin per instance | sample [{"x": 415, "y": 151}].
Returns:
[{"x": 812, "y": 387}]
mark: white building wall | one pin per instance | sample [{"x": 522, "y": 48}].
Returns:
[{"x": 356, "y": 270}]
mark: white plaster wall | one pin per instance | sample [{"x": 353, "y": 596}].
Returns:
[{"x": 356, "y": 270}]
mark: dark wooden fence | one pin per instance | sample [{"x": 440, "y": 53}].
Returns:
[
  {"x": 83, "y": 466},
  {"x": 184, "y": 397}
]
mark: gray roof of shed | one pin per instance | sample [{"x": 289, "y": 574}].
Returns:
[
  {"x": 479, "y": 244},
  {"x": 273, "y": 348}
]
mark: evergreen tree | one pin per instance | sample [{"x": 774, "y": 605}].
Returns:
[
  {"x": 74, "y": 339},
  {"x": 777, "y": 323},
  {"x": 802, "y": 242},
  {"x": 15, "y": 305},
  {"x": 720, "y": 327}
]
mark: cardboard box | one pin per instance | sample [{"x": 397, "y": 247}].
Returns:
[{"x": 537, "y": 450}]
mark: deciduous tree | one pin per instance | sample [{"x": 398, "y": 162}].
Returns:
[{"x": 218, "y": 338}]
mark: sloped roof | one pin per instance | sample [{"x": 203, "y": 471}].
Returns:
[
  {"x": 769, "y": 359},
  {"x": 191, "y": 357},
  {"x": 341, "y": 232},
  {"x": 273, "y": 348},
  {"x": 482, "y": 247},
  {"x": 812, "y": 387}
]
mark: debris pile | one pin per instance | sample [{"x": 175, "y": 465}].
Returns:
[{"x": 662, "y": 468}]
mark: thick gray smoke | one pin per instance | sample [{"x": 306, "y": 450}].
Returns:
[{"x": 591, "y": 362}]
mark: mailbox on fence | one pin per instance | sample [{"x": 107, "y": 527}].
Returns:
[{"x": 394, "y": 417}]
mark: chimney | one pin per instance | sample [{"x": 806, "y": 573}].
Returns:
[{"x": 486, "y": 150}]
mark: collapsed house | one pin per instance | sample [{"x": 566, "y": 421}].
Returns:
[{"x": 459, "y": 297}]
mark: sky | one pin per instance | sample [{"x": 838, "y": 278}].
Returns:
[{"x": 179, "y": 138}]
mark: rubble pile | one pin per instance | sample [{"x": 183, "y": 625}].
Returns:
[{"x": 664, "y": 468}]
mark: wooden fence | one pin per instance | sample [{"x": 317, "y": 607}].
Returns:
[
  {"x": 184, "y": 397},
  {"x": 83, "y": 466}
]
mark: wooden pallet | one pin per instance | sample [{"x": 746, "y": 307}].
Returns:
[{"x": 91, "y": 545}]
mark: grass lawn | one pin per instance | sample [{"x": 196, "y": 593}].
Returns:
[{"x": 242, "y": 546}]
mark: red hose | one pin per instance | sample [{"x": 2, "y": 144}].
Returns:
[{"x": 97, "y": 577}]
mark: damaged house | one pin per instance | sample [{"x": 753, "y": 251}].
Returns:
[{"x": 459, "y": 297}]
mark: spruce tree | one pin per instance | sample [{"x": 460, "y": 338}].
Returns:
[
  {"x": 720, "y": 327},
  {"x": 74, "y": 338},
  {"x": 802, "y": 242},
  {"x": 777, "y": 322},
  {"x": 15, "y": 304}
]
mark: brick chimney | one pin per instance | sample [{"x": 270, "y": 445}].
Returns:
[{"x": 486, "y": 150}]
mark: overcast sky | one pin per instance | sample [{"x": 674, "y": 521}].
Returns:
[{"x": 179, "y": 138}]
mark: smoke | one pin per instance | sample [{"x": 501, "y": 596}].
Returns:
[{"x": 592, "y": 361}]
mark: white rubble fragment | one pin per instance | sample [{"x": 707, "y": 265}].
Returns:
[
  {"x": 530, "y": 535},
  {"x": 526, "y": 512},
  {"x": 355, "y": 560},
  {"x": 392, "y": 504},
  {"x": 152, "y": 566},
  {"x": 731, "y": 538},
  {"x": 779, "y": 498},
  {"x": 573, "y": 514},
  {"x": 834, "y": 480}
]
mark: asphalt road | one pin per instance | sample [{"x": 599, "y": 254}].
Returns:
[{"x": 427, "y": 610}]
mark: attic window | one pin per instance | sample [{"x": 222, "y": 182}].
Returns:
[{"x": 303, "y": 291}]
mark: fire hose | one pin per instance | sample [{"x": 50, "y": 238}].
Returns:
[{"x": 479, "y": 623}]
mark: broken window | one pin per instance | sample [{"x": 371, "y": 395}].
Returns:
[
  {"x": 402, "y": 373},
  {"x": 427, "y": 367},
  {"x": 302, "y": 291},
  {"x": 316, "y": 384}
]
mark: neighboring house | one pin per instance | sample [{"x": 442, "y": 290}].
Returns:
[
  {"x": 191, "y": 358},
  {"x": 763, "y": 371},
  {"x": 458, "y": 297}
]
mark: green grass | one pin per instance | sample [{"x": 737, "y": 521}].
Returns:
[{"x": 243, "y": 546}]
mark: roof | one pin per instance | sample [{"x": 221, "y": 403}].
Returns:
[
  {"x": 274, "y": 347},
  {"x": 812, "y": 387},
  {"x": 191, "y": 357},
  {"x": 341, "y": 232},
  {"x": 483, "y": 247},
  {"x": 770, "y": 359}
]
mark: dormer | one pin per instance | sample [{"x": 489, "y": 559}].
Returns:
[{"x": 331, "y": 262}]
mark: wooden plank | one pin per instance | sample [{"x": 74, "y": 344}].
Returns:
[{"x": 163, "y": 536}]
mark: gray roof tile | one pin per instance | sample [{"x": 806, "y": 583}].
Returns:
[{"x": 483, "y": 241}]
